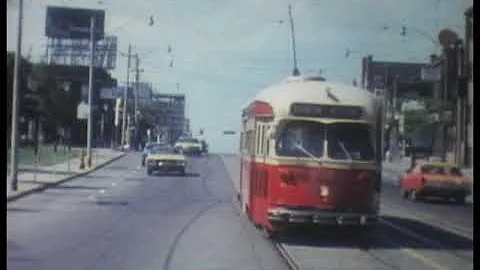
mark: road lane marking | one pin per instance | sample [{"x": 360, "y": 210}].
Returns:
[
  {"x": 428, "y": 218},
  {"x": 418, "y": 256}
]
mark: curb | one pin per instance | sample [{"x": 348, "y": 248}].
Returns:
[{"x": 47, "y": 185}]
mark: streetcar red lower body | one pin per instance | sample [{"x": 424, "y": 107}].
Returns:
[{"x": 276, "y": 196}]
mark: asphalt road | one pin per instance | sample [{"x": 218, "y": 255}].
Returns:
[{"x": 120, "y": 218}]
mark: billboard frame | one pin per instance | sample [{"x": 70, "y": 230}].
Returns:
[{"x": 73, "y": 23}]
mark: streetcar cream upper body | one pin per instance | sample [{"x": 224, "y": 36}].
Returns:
[{"x": 313, "y": 91}]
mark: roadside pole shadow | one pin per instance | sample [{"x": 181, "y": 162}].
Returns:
[
  {"x": 22, "y": 210},
  {"x": 42, "y": 171},
  {"x": 77, "y": 187},
  {"x": 195, "y": 175}
]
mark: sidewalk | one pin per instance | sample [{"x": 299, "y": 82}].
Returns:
[{"x": 31, "y": 179}]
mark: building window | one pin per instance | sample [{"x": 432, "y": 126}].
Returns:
[{"x": 468, "y": 110}]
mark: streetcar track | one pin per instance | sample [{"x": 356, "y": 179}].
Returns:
[
  {"x": 176, "y": 241},
  {"x": 433, "y": 220},
  {"x": 286, "y": 256},
  {"x": 413, "y": 235},
  {"x": 289, "y": 259},
  {"x": 171, "y": 252}
]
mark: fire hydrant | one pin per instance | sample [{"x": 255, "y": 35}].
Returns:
[{"x": 82, "y": 160}]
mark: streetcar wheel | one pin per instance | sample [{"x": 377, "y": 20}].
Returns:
[{"x": 460, "y": 199}]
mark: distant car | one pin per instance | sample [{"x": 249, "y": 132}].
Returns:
[
  {"x": 189, "y": 146},
  {"x": 204, "y": 147},
  {"x": 165, "y": 159},
  {"x": 439, "y": 179}
]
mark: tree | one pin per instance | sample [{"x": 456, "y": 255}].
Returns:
[
  {"x": 54, "y": 102},
  {"x": 25, "y": 70},
  {"x": 422, "y": 125}
]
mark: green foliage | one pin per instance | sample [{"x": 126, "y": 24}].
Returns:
[
  {"x": 25, "y": 71},
  {"x": 415, "y": 119}
]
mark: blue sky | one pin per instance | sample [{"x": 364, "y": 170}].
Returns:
[{"x": 225, "y": 51}]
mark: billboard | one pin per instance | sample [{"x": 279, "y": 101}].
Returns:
[
  {"x": 431, "y": 74},
  {"x": 73, "y": 23},
  {"x": 115, "y": 92},
  {"x": 76, "y": 52}
]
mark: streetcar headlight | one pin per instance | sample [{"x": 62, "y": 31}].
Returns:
[{"x": 324, "y": 191}]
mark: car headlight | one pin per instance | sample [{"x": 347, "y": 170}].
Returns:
[{"x": 160, "y": 163}]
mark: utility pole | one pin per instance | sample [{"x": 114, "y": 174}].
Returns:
[
  {"x": 90, "y": 90},
  {"x": 446, "y": 82},
  {"x": 460, "y": 90},
  {"x": 394, "y": 145},
  {"x": 447, "y": 38},
  {"x": 137, "y": 77},
  {"x": 15, "y": 101},
  {"x": 125, "y": 98},
  {"x": 295, "y": 72}
]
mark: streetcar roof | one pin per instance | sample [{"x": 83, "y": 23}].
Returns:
[{"x": 312, "y": 90}]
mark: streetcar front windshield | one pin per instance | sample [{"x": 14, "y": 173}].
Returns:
[
  {"x": 350, "y": 141},
  {"x": 301, "y": 139}
]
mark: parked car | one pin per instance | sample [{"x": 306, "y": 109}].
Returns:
[
  {"x": 440, "y": 179},
  {"x": 165, "y": 159},
  {"x": 189, "y": 146}
]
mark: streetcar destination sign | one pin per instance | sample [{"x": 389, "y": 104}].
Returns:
[{"x": 326, "y": 111}]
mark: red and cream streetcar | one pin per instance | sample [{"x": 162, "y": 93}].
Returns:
[{"x": 310, "y": 155}]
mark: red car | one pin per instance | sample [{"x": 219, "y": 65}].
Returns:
[{"x": 438, "y": 179}]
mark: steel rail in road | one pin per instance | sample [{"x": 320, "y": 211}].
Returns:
[
  {"x": 289, "y": 258},
  {"x": 447, "y": 226}
]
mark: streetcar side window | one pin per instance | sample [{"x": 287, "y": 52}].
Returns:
[
  {"x": 257, "y": 133},
  {"x": 251, "y": 142},
  {"x": 262, "y": 139},
  {"x": 267, "y": 142}
]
